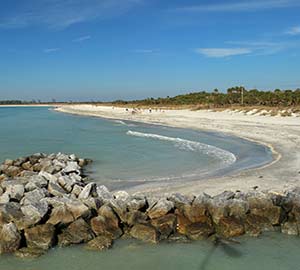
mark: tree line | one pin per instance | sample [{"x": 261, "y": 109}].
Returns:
[{"x": 234, "y": 96}]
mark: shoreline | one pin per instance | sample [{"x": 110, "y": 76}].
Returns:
[{"x": 280, "y": 134}]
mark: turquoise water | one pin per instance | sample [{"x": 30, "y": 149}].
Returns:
[
  {"x": 125, "y": 153},
  {"x": 270, "y": 252}
]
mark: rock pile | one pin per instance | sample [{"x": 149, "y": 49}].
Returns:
[{"x": 45, "y": 200}]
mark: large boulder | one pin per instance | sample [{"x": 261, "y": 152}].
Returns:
[
  {"x": 48, "y": 176},
  {"x": 10, "y": 238},
  {"x": 136, "y": 203},
  {"x": 60, "y": 215},
  {"x": 15, "y": 192},
  {"x": 4, "y": 198},
  {"x": 78, "y": 209},
  {"x": 230, "y": 227},
  {"x": 56, "y": 190},
  {"x": 255, "y": 225},
  {"x": 160, "y": 208},
  {"x": 40, "y": 236},
  {"x": 13, "y": 171},
  {"x": 197, "y": 211},
  {"x": 145, "y": 233},
  {"x": 72, "y": 167},
  {"x": 34, "y": 196},
  {"x": 107, "y": 223},
  {"x": 199, "y": 230},
  {"x": 182, "y": 222},
  {"x": 87, "y": 191},
  {"x": 77, "y": 232},
  {"x": 103, "y": 194},
  {"x": 36, "y": 211},
  {"x": 261, "y": 204},
  {"x": 10, "y": 212},
  {"x": 66, "y": 182},
  {"x": 135, "y": 217},
  {"x": 180, "y": 200},
  {"x": 165, "y": 225}
]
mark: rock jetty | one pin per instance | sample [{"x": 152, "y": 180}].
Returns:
[{"x": 45, "y": 200}]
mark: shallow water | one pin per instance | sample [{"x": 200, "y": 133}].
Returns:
[
  {"x": 126, "y": 153},
  {"x": 269, "y": 252}
]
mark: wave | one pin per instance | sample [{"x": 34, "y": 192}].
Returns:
[
  {"x": 120, "y": 122},
  {"x": 225, "y": 156}
]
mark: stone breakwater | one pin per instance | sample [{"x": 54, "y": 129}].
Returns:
[{"x": 45, "y": 200}]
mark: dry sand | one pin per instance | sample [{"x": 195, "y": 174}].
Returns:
[{"x": 282, "y": 134}]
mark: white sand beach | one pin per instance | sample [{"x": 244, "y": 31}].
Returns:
[{"x": 282, "y": 134}]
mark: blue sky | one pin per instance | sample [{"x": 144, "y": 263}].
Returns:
[{"x": 111, "y": 49}]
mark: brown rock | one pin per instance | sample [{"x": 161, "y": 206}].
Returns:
[
  {"x": 60, "y": 215},
  {"x": 255, "y": 225},
  {"x": 165, "y": 225},
  {"x": 10, "y": 238},
  {"x": 145, "y": 233},
  {"x": 8, "y": 162},
  {"x": 29, "y": 253},
  {"x": 290, "y": 228},
  {"x": 182, "y": 222},
  {"x": 100, "y": 243},
  {"x": 40, "y": 236},
  {"x": 106, "y": 226},
  {"x": 230, "y": 227},
  {"x": 77, "y": 232},
  {"x": 135, "y": 217},
  {"x": 195, "y": 213},
  {"x": 260, "y": 204},
  {"x": 27, "y": 166},
  {"x": 13, "y": 171},
  {"x": 161, "y": 208},
  {"x": 78, "y": 209},
  {"x": 199, "y": 231}
]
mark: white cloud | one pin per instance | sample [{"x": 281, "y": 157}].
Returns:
[
  {"x": 294, "y": 31},
  {"x": 263, "y": 47},
  {"x": 240, "y": 6},
  {"x": 60, "y": 14},
  {"x": 82, "y": 39},
  {"x": 51, "y": 50},
  {"x": 222, "y": 52}
]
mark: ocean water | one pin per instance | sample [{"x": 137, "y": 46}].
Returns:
[
  {"x": 269, "y": 252},
  {"x": 126, "y": 154}
]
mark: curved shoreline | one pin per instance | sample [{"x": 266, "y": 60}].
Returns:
[{"x": 266, "y": 177}]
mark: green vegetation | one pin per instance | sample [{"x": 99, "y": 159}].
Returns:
[
  {"x": 216, "y": 99},
  {"x": 234, "y": 96},
  {"x": 11, "y": 102}
]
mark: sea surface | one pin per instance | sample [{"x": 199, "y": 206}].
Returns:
[
  {"x": 126, "y": 154},
  {"x": 268, "y": 252}
]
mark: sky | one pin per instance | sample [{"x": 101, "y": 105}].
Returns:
[{"x": 83, "y": 50}]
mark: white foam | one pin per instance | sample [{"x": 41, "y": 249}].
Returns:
[
  {"x": 225, "y": 156},
  {"x": 123, "y": 123}
]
